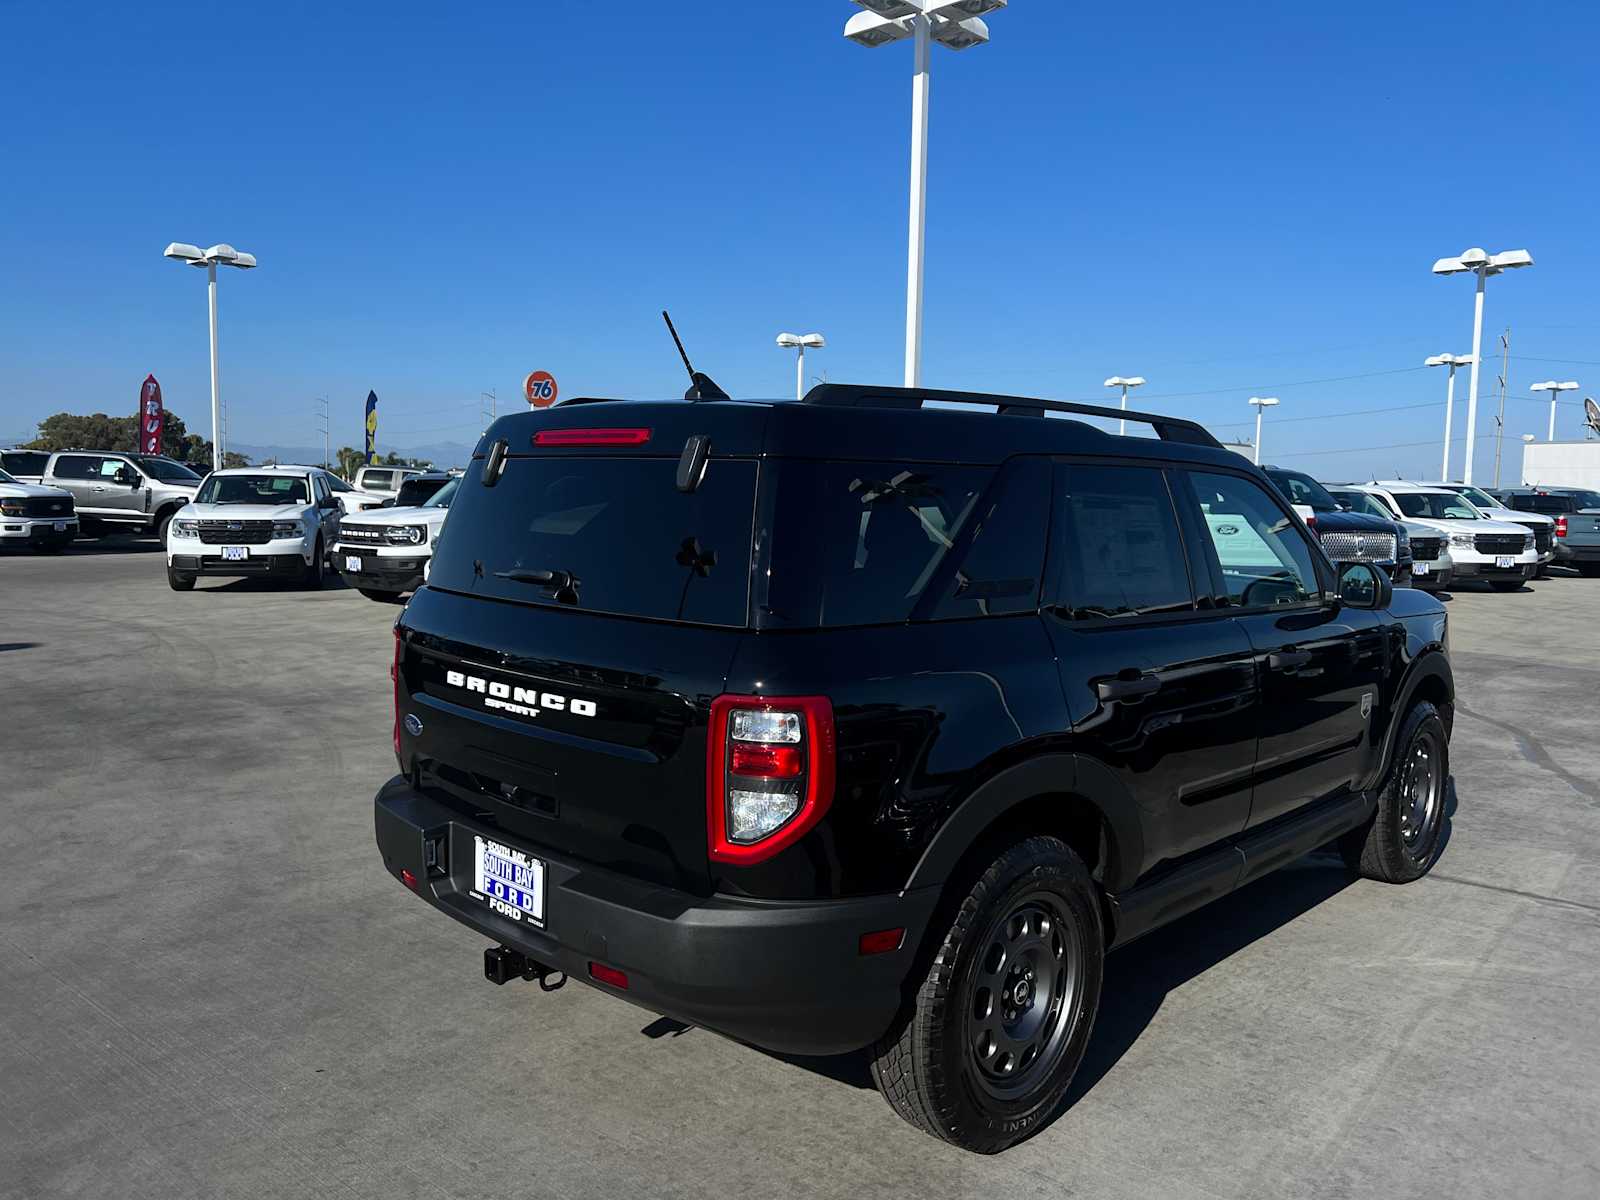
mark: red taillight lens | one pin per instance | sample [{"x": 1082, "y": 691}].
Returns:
[
  {"x": 766, "y": 762},
  {"x": 769, "y": 774},
  {"x": 394, "y": 674},
  {"x": 611, "y": 975},
  {"x": 1561, "y": 526},
  {"x": 407, "y": 878},
  {"x": 591, "y": 437},
  {"x": 1311, "y": 520}
]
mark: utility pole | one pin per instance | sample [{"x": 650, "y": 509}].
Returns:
[
  {"x": 1500, "y": 418},
  {"x": 322, "y": 427}
]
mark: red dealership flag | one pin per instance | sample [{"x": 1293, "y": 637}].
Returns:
[{"x": 152, "y": 417}]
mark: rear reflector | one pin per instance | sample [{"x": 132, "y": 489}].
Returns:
[
  {"x": 882, "y": 941},
  {"x": 610, "y": 975},
  {"x": 766, "y": 762},
  {"x": 407, "y": 878},
  {"x": 591, "y": 437}
]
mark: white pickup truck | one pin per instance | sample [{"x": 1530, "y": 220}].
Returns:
[{"x": 41, "y": 518}]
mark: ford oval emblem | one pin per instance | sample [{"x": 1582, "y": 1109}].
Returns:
[
  {"x": 1227, "y": 530},
  {"x": 413, "y": 724}
]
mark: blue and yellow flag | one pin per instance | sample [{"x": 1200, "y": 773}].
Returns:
[{"x": 372, "y": 427}]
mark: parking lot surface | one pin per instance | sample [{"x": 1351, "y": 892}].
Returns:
[{"x": 211, "y": 988}]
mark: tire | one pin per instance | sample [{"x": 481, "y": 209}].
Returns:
[
  {"x": 1506, "y": 585},
  {"x": 179, "y": 582},
  {"x": 381, "y": 596},
  {"x": 312, "y": 578},
  {"x": 1035, "y": 905},
  {"x": 162, "y": 522},
  {"x": 1403, "y": 839}
]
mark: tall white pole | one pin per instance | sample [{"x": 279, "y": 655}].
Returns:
[
  {"x": 1449, "y": 410},
  {"x": 216, "y": 378},
  {"x": 1472, "y": 387},
  {"x": 1258, "y": 435},
  {"x": 1551, "y": 436},
  {"x": 919, "y": 201},
  {"x": 800, "y": 373},
  {"x": 1122, "y": 425}
]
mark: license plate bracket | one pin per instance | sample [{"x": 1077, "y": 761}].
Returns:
[
  {"x": 352, "y": 562},
  {"x": 1419, "y": 568},
  {"x": 508, "y": 880},
  {"x": 235, "y": 553},
  {"x": 1504, "y": 562}
]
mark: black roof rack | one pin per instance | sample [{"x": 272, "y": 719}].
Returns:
[{"x": 857, "y": 395}]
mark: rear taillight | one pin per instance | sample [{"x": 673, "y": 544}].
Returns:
[
  {"x": 769, "y": 773},
  {"x": 591, "y": 437},
  {"x": 394, "y": 674},
  {"x": 1311, "y": 520},
  {"x": 1561, "y": 526}
]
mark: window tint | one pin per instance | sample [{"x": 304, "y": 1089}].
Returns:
[
  {"x": 77, "y": 466},
  {"x": 1264, "y": 558},
  {"x": 165, "y": 469},
  {"x": 1363, "y": 502},
  {"x": 382, "y": 480},
  {"x": 252, "y": 489},
  {"x": 110, "y": 466},
  {"x": 338, "y": 485},
  {"x": 1300, "y": 488},
  {"x": 1544, "y": 504},
  {"x": 860, "y": 543},
  {"x": 631, "y": 542},
  {"x": 1115, "y": 543},
  {"x": 415, "y": 491},
  {"x": 1587, "y": 499},
  {"x": 24, "y": 462}
]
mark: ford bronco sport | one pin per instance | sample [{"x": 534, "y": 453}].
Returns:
[{"x": 858, "y": 723}]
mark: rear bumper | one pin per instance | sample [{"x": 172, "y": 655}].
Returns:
[
  {"x": 785, "y": 975},
  {"x": 256, "y": 564},
  {"x": 377, "y": 572},
  {"x": 1569, "y": 553}
]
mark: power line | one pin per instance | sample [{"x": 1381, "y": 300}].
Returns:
[
  {"x": 1359, "y": 412},
  {"x": 1264, "y": 387},
  {"x": 1581, "y": 362}
]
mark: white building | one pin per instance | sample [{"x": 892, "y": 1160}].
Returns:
[{"x": 1562, "y": 464}]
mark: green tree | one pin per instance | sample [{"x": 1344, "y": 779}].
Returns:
[{"x": 97, "y": 431}]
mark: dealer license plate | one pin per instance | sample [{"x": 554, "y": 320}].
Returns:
[
  {"x": 1419, "y": 568},
  {"x": 1505, "y": 562},
  {"x": 352, "y": 562},
  {"x": 61, "y": 526},
  {"x": 508, "y": 880},
  {"x": 235, "y": 553}
]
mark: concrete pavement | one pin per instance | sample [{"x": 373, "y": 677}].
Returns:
[{"x": 211, "y": 989}]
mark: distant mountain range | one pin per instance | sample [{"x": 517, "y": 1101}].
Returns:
[{"x": 440, "y": 454}]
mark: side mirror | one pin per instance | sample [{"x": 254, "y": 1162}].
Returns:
[
  {"x": 126, "y": 477},
  {"x": 1362, "y": 585},
  {"x": 330, "y": 503},
  {"x": 389, "y": 503}
]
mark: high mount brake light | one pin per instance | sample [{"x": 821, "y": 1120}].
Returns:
[
  {"x": 591, "y": 437},
  {"x": 769, "y": 774}
]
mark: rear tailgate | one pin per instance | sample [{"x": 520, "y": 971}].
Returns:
[
  {"x": 580, "y": 616},
  {"x": 1583, "y": 528}
]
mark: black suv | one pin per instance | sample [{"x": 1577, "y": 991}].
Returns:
[
  {"x": 855, "y": 723},
  {"x": 1346, "y": 535}
]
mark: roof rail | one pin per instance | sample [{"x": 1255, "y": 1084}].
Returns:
[{"x": 857, "y": 395}]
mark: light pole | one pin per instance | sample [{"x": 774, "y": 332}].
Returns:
[
  {"x": 210, "y": 258},
  {"x": 1452, "y": 361},
  {"x": 799, "y": 342},
  {"x": 1132, "y": 381},
  {"x": 1483, "y": 265},
  {"x": 1555, "y": 389},
  {"x": 953, "y": 23},
  {"x": 1262, "y": 403}
]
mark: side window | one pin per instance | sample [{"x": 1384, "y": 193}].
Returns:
[
  {"x": 77, "y": 466},
  {"x": 110, "y": 466},
  {"x": 1264, "y": 558},
  {"x": 1115, "y": 544}
]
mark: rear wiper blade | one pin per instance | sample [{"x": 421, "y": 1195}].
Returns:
[{"x": 556, "y": 579}]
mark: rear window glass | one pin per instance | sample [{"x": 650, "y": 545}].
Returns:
[
  {"x": 629, "y": 541},
  {"x": 24, "y": 462},
  {"x": 377, "y": 479},
  {"x": 1544, "y": 504},
  {"x": 861, "y": 543},
  {"x": 415, "y": 491}
]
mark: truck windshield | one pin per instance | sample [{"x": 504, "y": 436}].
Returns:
[
  {"x": 441, "y": 498},
  {"x": 1436, "y": 506},
  {"x": 252, "y": 489},
  {"x": 1300, "y": 488}
]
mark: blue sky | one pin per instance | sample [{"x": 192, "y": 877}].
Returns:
[{"x": 1226, "y": 199}]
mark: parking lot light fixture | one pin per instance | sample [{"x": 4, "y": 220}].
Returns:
[
  {"x": 1126, "y": 384},
  {"x": 210, "y": 258},
  {"x": 799, "y": 342},
  {"x": 957, "y": 25},
  {"x": 1262, "y": 403},
  {"x": 1452, "y": 361},
  {"x": 1482, "y": 264},
  {"x": 1555, "y": 389}
]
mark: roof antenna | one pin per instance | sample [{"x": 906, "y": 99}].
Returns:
[{"x": 701, "y": 385}]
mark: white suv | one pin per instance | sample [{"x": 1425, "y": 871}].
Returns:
[
  {"x": 383, "y": 482},
  {"x": 1544, "y": 528},
  {"x": 384, "y": 554},
  {"x": 1501, "y": 554},
  {"x": 273, "y": 521},
  {"x": 41, "y": 518}
]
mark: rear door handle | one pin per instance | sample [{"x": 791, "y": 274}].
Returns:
[
  {"x": 1128, "y": 685},
  {"x": 1288, "y": 660}
]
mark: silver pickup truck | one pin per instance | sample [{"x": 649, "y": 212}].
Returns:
[
  {"x": 1576, "y": 512},
  {"x": 122, "y": 492}
]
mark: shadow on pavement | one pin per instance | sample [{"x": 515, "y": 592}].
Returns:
[{"x": 1138, "y": 978}]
